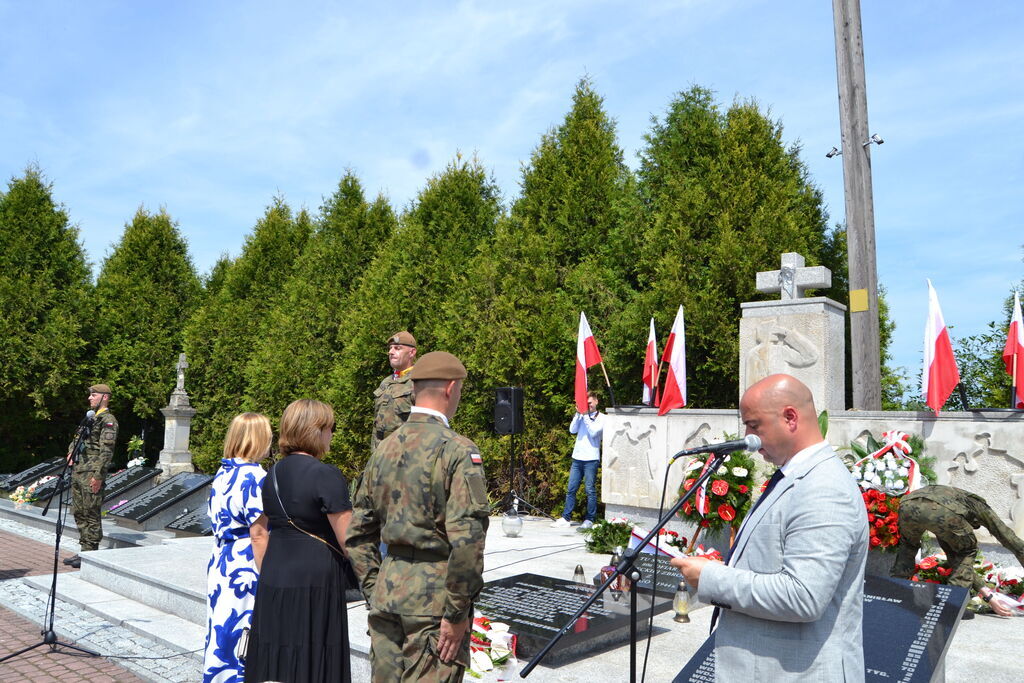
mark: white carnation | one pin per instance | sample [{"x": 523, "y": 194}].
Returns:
[{"x": 739, "y": 472}]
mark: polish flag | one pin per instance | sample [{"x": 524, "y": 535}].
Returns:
[
  {"x": 674, "y": 394},
  {"x": 940, "y": 374},
  {"x": 1013, "y": 353},
  {"x": 587, "y": 356},
  {"x": 650, "y": 367}
]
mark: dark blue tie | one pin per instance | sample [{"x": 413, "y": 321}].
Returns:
[{"x": 776, "y": 478}]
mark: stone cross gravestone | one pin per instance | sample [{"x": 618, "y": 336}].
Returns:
[
  {"x": 175, "y": 456},
  {"x": 908, "y": 627},
  {"x": 536, "y": 607},
  {"x": 165, "y": 502},
  {"x": 803, "y": 337}
]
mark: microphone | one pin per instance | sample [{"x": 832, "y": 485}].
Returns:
[
  {"x": 751, "y": 442},
  {"x": 89, "y": 417}
]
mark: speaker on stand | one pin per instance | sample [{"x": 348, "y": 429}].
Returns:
[{"x": 508, "y": 421}]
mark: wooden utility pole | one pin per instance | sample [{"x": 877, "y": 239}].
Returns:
[{"x": 860, "y": 212}]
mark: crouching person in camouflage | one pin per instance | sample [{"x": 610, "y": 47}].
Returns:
[
  {"x": 952, "y": 515},
  {"x": 90, "y": 472},
  {"x": 423, "y": 494}
]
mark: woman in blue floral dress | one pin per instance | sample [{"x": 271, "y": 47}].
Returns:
[{"x": 240, "y": 530}]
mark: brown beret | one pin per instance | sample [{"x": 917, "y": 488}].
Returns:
[
  {"x": 99, "y": 389},
  {"x": 438, "y": 365},
  {"x": 402, "y": 338}
]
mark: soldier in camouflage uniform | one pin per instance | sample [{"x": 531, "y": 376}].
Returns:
[
  {"x": 952, "y": 515},
  {"x": 423, "y": 493},
  {"x": 90, "y": 472},
  {"x": 392, "y": 400}
]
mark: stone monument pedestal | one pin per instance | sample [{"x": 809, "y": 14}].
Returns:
[
  {"x": 800, "y": 337},
  {"x": 175, "y": 456}
]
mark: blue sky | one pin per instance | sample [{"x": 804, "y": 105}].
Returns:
[{"x": 212, "y": 108}]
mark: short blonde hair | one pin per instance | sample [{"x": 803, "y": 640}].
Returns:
[
  {"x": 248, "y": 437},
  {"x": 301, "y": 424}
]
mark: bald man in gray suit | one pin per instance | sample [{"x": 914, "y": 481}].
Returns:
[{"x": 789, "y": 598}]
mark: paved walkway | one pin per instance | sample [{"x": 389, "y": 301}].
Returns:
[{"x": 21, "y": 556}]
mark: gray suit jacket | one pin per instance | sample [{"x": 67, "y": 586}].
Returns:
[{"x": 792, "y": 601}]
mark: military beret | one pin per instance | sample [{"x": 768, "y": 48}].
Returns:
[
  {"x": 402, "y": 338},
  {"x": 99, "y": 389},
  {"x": 438, "y": 365}
]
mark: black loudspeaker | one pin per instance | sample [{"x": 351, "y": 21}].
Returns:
[{"x": 508, "y": 410}]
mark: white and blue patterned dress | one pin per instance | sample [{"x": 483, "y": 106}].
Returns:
[{"x": 236, "y": 501}]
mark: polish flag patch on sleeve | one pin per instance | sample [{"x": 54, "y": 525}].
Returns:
[{"x": 475, "y": 457}]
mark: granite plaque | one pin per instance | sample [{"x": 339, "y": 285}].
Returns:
[
  {"x": 195, "y": 522},
  {"x": 121, "y": 487},
  {"x": 26, "y": 477},
  {"x": 668, "y": 577},
  {"x": 536, "y": 607},
  {"x": 47, "y": 490},
  {"x": 165, "y": 502},
  {"x": 908, "y": 627}
]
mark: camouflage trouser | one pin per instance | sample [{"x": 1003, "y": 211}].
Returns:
[
  {"x": 405, "y": 649},
  {"x": 87, "y": 512}
]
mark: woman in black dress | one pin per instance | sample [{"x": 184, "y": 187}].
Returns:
[{"x": 299, "y": 624}]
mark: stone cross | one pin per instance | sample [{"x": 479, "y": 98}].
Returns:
[
  {"x": 182, "y": 367},
  {"x": 793, "y": 278}
]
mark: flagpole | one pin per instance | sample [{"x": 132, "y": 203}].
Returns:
[{"x": 611, "y": 393}]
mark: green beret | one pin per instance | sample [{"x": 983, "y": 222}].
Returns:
[
  {"x": 438, "y": 365},
  {"x": 402, "y": 338},
  {"x": 99, "y": 389}
]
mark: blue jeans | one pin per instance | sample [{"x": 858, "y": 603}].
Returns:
[{"x": 582, "y": 469}]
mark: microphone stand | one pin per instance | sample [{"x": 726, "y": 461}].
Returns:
[
  {"x": 626, "y": 568},
  {"x": 48, "y": 634}
]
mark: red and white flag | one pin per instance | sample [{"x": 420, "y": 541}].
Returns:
[
  {"x": 587, "y": 356},
  {"x": 651, "y": 368},
  {"x": 1013, "y": 353},
  {"x": 940, "y": 375},
  {"x": 674, "y": 394}
]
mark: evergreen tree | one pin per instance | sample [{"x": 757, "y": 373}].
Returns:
[
  {"x": 46, "y": 318},
  {"x": 302, "y": 334},
  {"x": 724, "y": 199},
  {"x": 405, "y": 287},
  {"x": 220, "y": 337},
  {"x": 568, "y": 246},
  {"x": 146, "y": 287}
]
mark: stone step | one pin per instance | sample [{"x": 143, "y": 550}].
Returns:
[
  {"x": 170, "y": 577},
  {"x": 167, "y": 629}
]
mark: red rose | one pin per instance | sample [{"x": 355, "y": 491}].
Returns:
[
  {"x": 883, "y": 508},
  {"x": 871, "y": 518},
  {"x": 743, "y": 488},
  {"x": 720, "y": 487},
  {"x": 726, "y": 512},
  {"x": 879, "y": 523},
  {"x": 688, "y": 484},
  {"x": 705, "y": 523},
  {"x": 875, "y": 541}
]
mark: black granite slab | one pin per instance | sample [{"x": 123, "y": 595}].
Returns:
[
  {"x": 536, "y": 607},
  {"x": 908, "y": 627},
  {"x": 46, "y": 490},
  {"x": 195, "y": 522},
  {"x": 121, "y": 487},
  {"x": 668, "y": 577},
  {"x": 165, "y": 502},
  {"x": 27, "y": 476}
]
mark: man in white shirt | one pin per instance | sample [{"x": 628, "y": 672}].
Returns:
[{"x": 586, "y": 458}]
